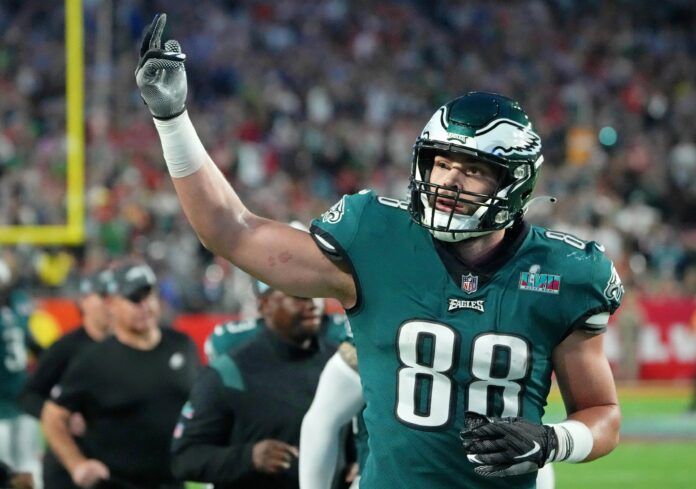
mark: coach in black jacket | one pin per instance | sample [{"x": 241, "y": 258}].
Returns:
[{"x": 241, "y": 426}]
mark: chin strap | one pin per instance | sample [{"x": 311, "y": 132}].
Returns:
[{"x": 541, "y": 198}]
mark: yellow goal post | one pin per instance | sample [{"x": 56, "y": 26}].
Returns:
[{"x": 72, "y": 232}]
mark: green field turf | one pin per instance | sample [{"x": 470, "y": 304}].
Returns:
[
  {"x": 635, "y": 465},
  {"x": 657, "y": 449}
]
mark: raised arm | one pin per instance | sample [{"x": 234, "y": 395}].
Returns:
[{"x": 273, "y": 252}]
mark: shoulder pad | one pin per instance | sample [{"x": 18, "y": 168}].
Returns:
[
  {"x": 336, "y": 229},
  {"x": 590, "y": 276}
]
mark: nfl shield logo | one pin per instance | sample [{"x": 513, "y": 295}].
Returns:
[{"x": 470, "y": 283}]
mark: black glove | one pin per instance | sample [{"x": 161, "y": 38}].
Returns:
[{"x": 502, "y": 447}]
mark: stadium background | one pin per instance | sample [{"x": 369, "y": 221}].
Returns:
[{"x": 301, "y": 102}]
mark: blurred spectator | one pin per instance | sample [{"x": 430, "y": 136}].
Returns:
[
  {"x": 326, "y": 102},
  {"x": 223, "y": 436},
  {"x": 55, "y": 361},
  {"x": 129, "y": 388}
]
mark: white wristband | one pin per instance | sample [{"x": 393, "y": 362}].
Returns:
[
  {"x": 183, "y": 150},
  {"x": 575, "y": 441}
]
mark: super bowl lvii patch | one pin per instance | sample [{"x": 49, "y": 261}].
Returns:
[{"x": 540, "y": 282}]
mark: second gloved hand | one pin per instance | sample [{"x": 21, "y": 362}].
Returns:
[{"x": 507, "y": 446}]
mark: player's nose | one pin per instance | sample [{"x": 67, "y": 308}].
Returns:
[{"x": 453, "y": 179}]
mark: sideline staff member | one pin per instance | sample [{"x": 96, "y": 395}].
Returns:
[
  {"x": 241, "y": 426},
  {"x": 129, "y": 388},
  {"x": 54, "y": 362}
]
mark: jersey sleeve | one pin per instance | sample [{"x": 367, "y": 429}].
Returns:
[
  {"x": 336, "y": 229},
  {"x": 603, "y": 293}
]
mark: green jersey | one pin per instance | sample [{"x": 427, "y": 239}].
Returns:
[
  {"x": 232, "y": 334},
  {"x": 14, "y": 322},
  {"x": 436, "y": 339}
]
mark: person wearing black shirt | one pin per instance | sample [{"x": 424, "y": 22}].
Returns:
[
  {"x": 241, "y": 425},
  {"x": 129, "y": 388},
  {"x": 53, "y": 363}
]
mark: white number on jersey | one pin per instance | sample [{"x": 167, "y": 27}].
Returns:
[
  {"x": 426, "y": 392},
  {"x": 15, "y": 351}
]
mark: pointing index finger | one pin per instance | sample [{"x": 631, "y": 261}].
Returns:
[{"x": 156, "y": 40}]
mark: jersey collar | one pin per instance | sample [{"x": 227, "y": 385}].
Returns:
[{"x": 485, "y": 269}]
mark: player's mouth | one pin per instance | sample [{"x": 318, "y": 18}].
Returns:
[{"x": 447, "y": 205}]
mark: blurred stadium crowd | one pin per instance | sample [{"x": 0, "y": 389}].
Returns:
[{"x": 301, "y": 102}]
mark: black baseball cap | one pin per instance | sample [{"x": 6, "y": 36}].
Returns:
[
  {"x": 96, "y": 283},
  {"x": 134, "y": 281}
]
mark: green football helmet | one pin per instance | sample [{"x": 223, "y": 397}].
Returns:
[{"x": 489, "y": 128}]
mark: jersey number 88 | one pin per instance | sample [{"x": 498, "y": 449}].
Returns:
[{"x": 426, "y": 392}]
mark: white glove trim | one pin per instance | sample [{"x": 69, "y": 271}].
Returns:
[{"x": 575, "y": 441}]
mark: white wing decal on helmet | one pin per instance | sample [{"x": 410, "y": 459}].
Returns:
[
  {"x": 499, "y": 137},
  {"x": 507, "y": 137},
  {"x": 436, "y": 128}
]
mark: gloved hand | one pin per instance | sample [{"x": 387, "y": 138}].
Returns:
[
  {"x": 160, "y": 74},
  {"x": 507, "y": 446}
]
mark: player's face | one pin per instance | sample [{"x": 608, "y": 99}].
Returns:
[
  {"x": 295, "y": 318},
  {"x": 137, "y": 315},
  {"x": 460, "y": 172},
  {"x": 95, "y": 312}
]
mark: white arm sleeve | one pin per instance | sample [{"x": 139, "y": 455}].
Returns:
[{"x": 337, "y": 400}]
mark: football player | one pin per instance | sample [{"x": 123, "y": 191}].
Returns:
[{"x": 460, "y": 310}]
